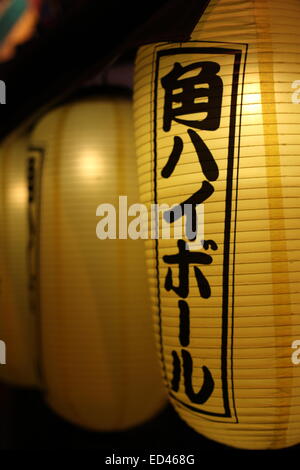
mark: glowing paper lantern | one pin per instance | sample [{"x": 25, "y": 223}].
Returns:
[
  {"x": 98, "y": 351},
  {"x": 18, "y": 320},
  {"x": 216, "y": 124}
]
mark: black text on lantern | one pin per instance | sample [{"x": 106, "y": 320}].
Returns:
[{"x": 191, "y": 81}]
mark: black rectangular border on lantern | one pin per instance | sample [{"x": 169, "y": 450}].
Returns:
[
  {"x": 35, "y": 159},
  {"x": 238, "y": 77}
]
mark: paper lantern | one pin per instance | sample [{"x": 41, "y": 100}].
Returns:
[
  {"x": 217, "y": 123},
  {"x": 99, "y": 362},
  {"x": 18, "y": 320}
]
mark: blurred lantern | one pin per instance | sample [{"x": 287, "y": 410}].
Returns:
[
  {"x": 98, "y": 356},
  {"x": 17, "y": 318},
  {"x": 216, "y": 124},
  {"x": 18, "y": 19}
]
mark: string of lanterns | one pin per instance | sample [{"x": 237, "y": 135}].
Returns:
[
  {"x": 216, "y": 125},
  {"x": 76, "y": 314}
]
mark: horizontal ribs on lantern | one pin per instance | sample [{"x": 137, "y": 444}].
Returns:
[{"x": 216, "y": 123}]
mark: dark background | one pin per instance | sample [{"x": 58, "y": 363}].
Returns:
[{"x": 27, "y": 423}]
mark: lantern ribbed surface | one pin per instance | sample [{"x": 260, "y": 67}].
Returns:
[
  {"x": 240, "y": 334},
  {"x": 18, "y": 325},
  {"x": 98, "y": 358}
]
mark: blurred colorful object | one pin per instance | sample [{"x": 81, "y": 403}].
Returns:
[{"x": 18, "y": 19}]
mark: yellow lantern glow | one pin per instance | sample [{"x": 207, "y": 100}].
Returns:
[
  {"x": 18, "y": 322},
  {"x": 217, "y": 122},
  {"x": 98, "y": 349}
]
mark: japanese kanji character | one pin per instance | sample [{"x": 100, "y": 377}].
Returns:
[
  {"x": 205, "y": 157},
  {"x": 188, "y": 208},
  {"x": 183, "y": 259},
  {"x": 206, "y": 84},
  {"x": 208, "y": 384}
]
